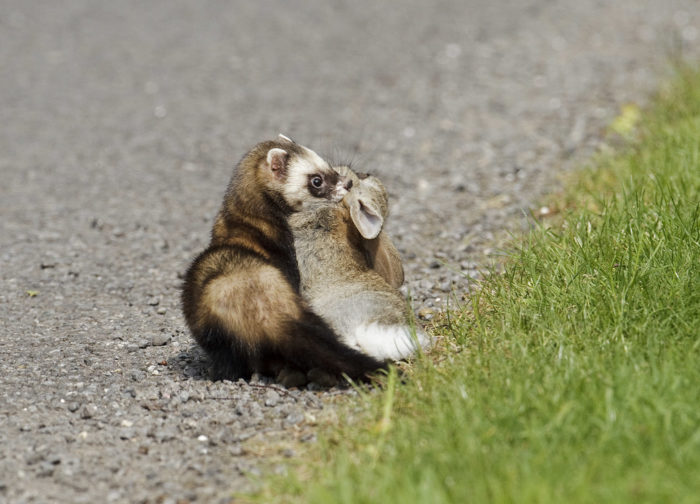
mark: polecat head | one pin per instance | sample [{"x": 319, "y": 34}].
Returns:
[{"x": 300, "y": 175}]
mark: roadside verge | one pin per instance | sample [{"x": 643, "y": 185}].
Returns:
[{"x": 573, "y": 375}]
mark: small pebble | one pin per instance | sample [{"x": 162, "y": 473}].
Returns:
[
  {"x": 33, "y": 458},
  {"x": 164, "y": 435},
  {"x": 160, "y": 339},
  {"x": 88, "y": 411},
  {"x": 46, "y": 469},
  {"x": 294, "y": 418},
  {"x": 137, "y": 375},
  {"x": 271, "y": 398},
  {"x": 54, "y": 459},
  {"x": 426, "y": 313}
]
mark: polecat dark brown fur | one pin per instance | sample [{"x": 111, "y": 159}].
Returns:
[{"x": 241, "y": 295}]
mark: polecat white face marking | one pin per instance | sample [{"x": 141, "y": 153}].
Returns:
[{"x": 306, "y": 177}]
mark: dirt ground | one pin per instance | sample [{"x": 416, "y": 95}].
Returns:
[{"x": 121, "y": 124}]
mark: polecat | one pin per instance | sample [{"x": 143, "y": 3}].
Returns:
[{"x": 241, "y": 295}]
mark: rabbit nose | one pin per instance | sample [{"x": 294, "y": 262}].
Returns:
[{"x": 348, "y": 184}]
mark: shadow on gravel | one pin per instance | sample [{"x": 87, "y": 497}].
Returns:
[{"x": 192, "y": 363}]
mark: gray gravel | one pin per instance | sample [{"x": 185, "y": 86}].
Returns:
[{"x": 121, "y": 122}]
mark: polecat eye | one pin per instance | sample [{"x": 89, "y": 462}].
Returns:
[{"x": 317, "y": 181}]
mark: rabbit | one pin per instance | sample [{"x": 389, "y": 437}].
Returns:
[{"x": 350, "y": 270}]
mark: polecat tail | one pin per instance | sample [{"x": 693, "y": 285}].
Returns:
[
  {"x": 305, "y": 343},
  {"x": 311, "y": 343}
]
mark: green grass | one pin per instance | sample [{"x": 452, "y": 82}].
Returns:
[{"x": 574, "y": 376}]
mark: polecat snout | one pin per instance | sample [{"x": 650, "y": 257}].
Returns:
[{"x": 241, "y": 295}]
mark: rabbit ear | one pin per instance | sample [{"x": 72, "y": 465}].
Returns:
[
  {"x": 367, "y": 219},
  {"x": 386, "y": 260}
]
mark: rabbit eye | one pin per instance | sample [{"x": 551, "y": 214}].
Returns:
[{"x": 317, "y": 181}]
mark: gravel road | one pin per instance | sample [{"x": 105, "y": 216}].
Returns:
[{"x": 121, "y": 123}]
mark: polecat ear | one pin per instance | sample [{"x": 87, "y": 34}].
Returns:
[
  {"x": 277, "y": 162},
  {"x": 285, "y": 138},
  {"x": 367, "y": 219}
]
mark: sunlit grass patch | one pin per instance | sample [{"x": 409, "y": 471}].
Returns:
[{"x": 573, "y": 376}]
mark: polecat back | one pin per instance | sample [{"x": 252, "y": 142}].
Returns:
[{"x": 241, "y": 295}]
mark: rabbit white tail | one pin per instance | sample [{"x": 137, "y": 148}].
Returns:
[{"x": 388, "y": 342}]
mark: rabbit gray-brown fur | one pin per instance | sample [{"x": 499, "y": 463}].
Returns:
[{"x": 350, "y": 270}]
